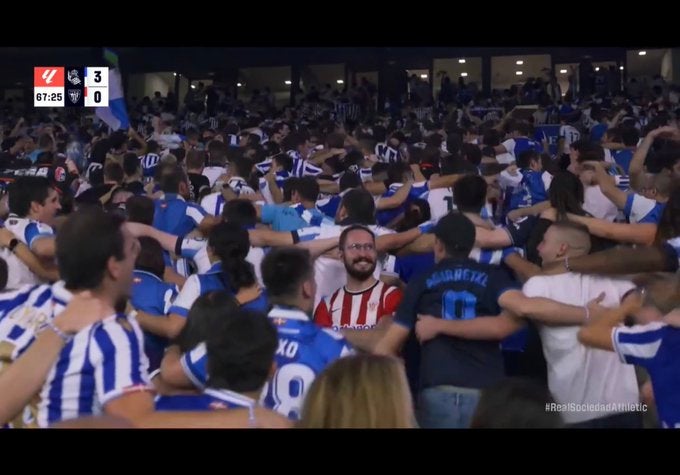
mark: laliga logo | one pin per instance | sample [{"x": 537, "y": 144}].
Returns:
[{"x": 48, "y": 75}]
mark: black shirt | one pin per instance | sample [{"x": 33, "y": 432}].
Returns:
[
  {"x": 197, "y": 183},
  {"x": 457, "y": 289},
  {"x": 135, "y": 187}
]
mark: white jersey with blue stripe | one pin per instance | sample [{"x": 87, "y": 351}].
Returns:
[
  {"x": 304, "y": 350},
  {"x": 654, "y": 346},
  {"x": 639, "y": 209},
  {"x": 102, "y": 362},
  {"x": 28, "y": 230}
]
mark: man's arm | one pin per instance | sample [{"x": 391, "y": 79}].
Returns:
[
  {"x": 534, "y": 210},
  {"x": 492, "y": 239},
  {"x": 523, "y": 269},
  {"x": 479, "y": 328},
  {"x": 421, "y": 245},
  {"x": 635, "y": 233},
  {"x": 620, "y": 260},
  {"x": 404, "y": 320},
  {"x": 366, "y": 340},
  {"x": 396, "y": 199},
  {"x": 171, "y": 369},
  {"x": 445, "y": 181},
  {"x": 277, "y": 194},
  {"x": 166, "y": 326},
  {"x": 543, "y": 309},
  {"x": 388, "y": 242},
  {"x": 267, "y": 237},
  {"x": 317, "y": 247},
  {"x": 138, "y": 408},
  {"x": 608, "y": 186},
  {"x": 45, "y": 247},
  {"x": 597, "y": 332},
  {"x": 22, "y": 251}
]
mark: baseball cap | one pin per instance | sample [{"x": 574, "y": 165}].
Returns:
[{"x": 456, "y": 232}]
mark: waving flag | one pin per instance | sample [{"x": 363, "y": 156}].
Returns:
[{"x": 115, "y": 115}]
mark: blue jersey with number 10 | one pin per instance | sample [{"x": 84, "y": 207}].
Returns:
[
  {"x": 456, "y": 289},
  {"x": 305, "y": 349}
]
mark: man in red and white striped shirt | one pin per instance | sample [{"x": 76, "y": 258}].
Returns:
[{"x": 364, "y": 300}]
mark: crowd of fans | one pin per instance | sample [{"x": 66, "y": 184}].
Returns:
[{"x": 456, "y": 260}]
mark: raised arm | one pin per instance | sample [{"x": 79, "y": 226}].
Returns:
[
  {"x": 608, "y": 186},
  {"x": 396, "y": 199}
]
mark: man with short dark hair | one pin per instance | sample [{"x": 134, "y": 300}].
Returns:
[
  {"x": 304, "y": 349},
  {"x": 240, "y": 354},
  {"x": 33, "y": 204},
  {"x": 364, "y": 300}
]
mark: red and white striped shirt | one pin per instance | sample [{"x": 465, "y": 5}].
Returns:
[{"x": 358, "y": 310}]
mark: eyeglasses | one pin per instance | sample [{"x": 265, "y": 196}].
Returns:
[{"x": 369, "y": 246}]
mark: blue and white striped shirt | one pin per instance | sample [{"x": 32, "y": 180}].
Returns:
[
  {"x": 302, "y": 167},
  {"x": 103, "y": 362}
]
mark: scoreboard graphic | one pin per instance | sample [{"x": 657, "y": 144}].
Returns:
[{"x": 71, "y": 86}]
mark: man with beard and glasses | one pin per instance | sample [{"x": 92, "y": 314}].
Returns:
[{"x": 360, "y": 304}]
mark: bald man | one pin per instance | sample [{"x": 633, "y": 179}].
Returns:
[{"x": 596, "y": 388}]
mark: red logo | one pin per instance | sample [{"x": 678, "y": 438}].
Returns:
[
  {"x": 59, "y": 174},
  {"x": 48, "y": 76},
  {"x": 279, "y": 321}
]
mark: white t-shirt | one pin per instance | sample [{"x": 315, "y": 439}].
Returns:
[
  {"x": 576, "y": 373},
  {"x": 597, "y": 204},
  {"x": 213, "y": 173},
  {"x": 570, "y": 135},
  {"x": 28, "y": 232},
  {"x": 441, "y": 202}
]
